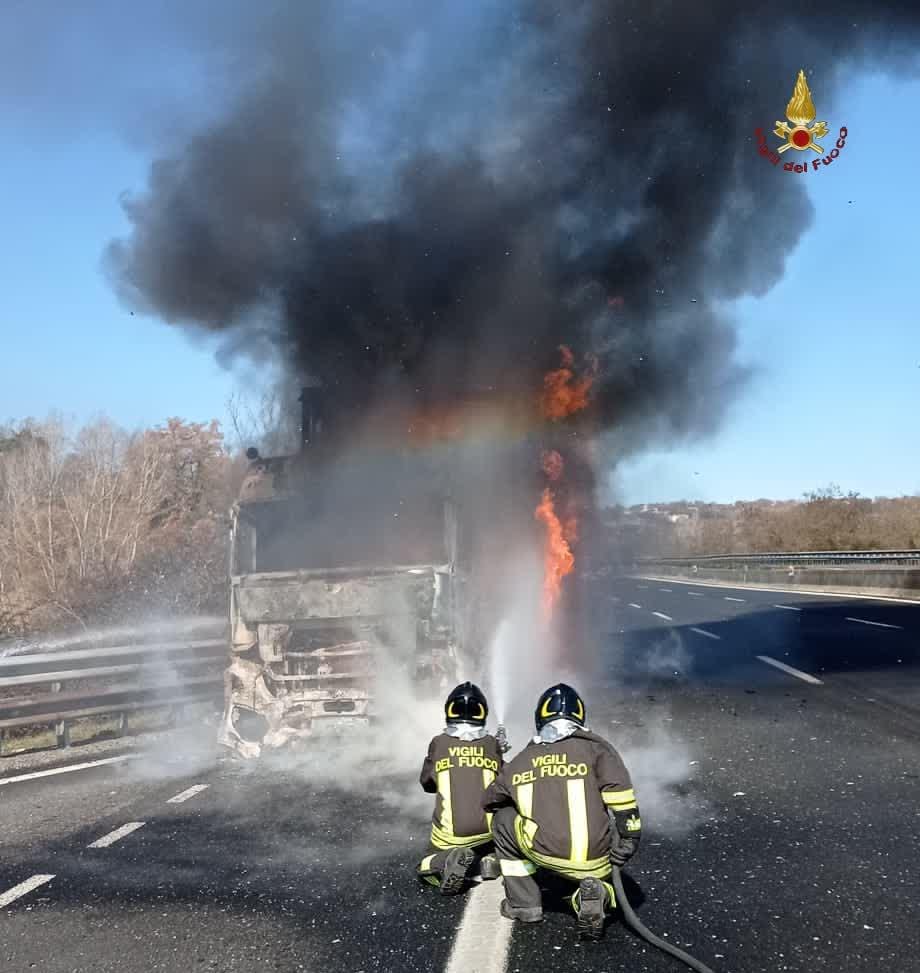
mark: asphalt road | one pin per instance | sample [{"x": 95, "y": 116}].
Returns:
[{"x": 780, "y": 807}]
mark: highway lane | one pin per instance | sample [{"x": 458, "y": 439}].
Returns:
[
  {"x": 871, "y": 646},
  {"x": 781, "y": 826}
]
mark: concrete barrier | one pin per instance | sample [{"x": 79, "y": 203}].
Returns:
[{"x": 887, "y": 581}]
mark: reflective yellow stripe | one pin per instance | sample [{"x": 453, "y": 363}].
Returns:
[
  {"x": 578, "y": 819},
  {"x": 447, "y": 813},
  {"x": 525, "y": 831},
  {"x": 441, "y": 839},
  {"x": 525, "y": 799},
  {"x": 608, "y": 888},
  {"x": 516, "y": 869},
  {"x": 592, "y": 868},
  {"x": 621, "y": 800},
  {"x": 611, "y": 894},
  {"x": 487, "y": 777},
  {"x": 426, "y": 864}
]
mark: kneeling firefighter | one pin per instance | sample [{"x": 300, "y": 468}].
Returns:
[
  {"x": 564, "y": 804},
  {"x": 461, "y": 762}
]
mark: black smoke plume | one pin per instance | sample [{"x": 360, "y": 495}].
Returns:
[{"x": 431, "y": 198}]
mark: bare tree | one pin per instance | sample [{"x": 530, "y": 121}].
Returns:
[
  {"x": 104, "y": 517},
  {"x": 265, "y": 420}
]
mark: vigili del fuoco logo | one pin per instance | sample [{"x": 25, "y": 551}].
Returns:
[{"x": 800, "y": 134}]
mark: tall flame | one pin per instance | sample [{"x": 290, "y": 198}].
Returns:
[
  {"x": 801, "y": 109},
  {"x": 558, "y": 560},
  {"x": 563, "y": 393}
]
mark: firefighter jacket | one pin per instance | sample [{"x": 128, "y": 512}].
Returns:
[
  {"x": 459, "y": 771},
  {"x": 566, "y": 794}
]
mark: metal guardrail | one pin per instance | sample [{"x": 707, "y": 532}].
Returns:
[
  {"x": 850, "y": 558},
  {"x": 110, "y": 681}
]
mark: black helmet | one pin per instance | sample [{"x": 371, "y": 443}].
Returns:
[
  {"x": 559, "y": 702},
  {"x": 466, "y": 704}
]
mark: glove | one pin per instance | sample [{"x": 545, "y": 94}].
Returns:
[{"x": 622, "y": 850}]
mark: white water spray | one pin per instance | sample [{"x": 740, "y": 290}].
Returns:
[{"x": 499, "y": 674}]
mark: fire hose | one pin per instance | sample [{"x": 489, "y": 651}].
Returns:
[{"x": 635, "y": 923}]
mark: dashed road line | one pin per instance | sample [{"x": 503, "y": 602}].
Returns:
[
  {"x": 642, "y": 586},
  {"x": 668, "y": 590},
  {"x": 696, "y": 594},
  {"x": 786, "y": 589},
  {"x": 667, "y": 618},
  {"x": 116, "y": 835},
  {"x": 632, "y": 604},
  {"x": 35, "y": 774},
  {"x": 484, "y": 935},
  {"x": 865, "y": 621},
  {"x": 23, "y": 888},
  {"x": 792, "y": 672},
  {"x": 788, "y": 608},
  {"x": 702, "y": 631},
  {"x": 728, "y": 598},
  {"x": 186, "y": 794}
]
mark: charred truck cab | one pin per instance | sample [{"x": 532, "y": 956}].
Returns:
[{"x": 343, "y": 570}]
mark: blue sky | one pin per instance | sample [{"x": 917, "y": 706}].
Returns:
[{"x": 836, "y": 344}]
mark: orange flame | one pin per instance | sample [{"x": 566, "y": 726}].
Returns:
[
  {"x": 564, "y": 394},
  {"x": 558, "y": 559}
]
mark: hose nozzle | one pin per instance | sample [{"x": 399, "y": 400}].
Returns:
[{"x": 501, "y": 736}]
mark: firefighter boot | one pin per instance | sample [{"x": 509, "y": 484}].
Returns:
[
  {"x": 591, "y": 898},
  {"x": 521, "y": 913},
  {"x": 489, "y": 868},
  {"x": 458, "y": 863}
]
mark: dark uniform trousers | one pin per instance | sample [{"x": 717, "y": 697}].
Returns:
[{"x": 521, "y": 888}]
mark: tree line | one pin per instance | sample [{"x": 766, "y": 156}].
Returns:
[
  {"x": 100, "y": 524},
  {"x": 827, "y": 519}
]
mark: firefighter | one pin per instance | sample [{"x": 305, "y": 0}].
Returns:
[
  {"x": 564, "y": 804},
  {"x": 461, "y": 762}
]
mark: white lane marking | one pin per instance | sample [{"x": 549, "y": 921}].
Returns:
[
  {"x": 668, "y": 590},
  {"x": 865, "y": 621},
  {"x": 642, "y": 586},
  {"x": 727, "y": 598},
  {"x": 484, "y": 935},
  {"x": 116, "y": 835},
  {"x": 792, "y": 672},
  {"x": 186, "y": 794},
  {"x": 65, "y": 770},
  {"x": 23, "y": 888},
  {"x": 788, "y": 608},
  {"x": 784, "y": 589},
  {"x": 696, "y": 594},
  {"x": 702, "y": 631},
  {"x": 667, "y": 618},
  {"x": 632, "y": 604}
]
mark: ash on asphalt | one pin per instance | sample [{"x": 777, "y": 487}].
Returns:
[{"x": 263, "y": 871}]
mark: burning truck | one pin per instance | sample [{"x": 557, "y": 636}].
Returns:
[{"x": 338, "y": 565}]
